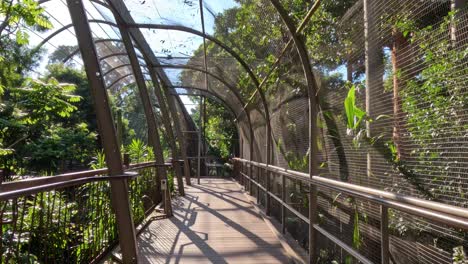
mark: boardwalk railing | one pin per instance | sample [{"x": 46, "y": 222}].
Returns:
[
  {"x": 69, "y": 218},
  {"x": 253, "y": 175}
]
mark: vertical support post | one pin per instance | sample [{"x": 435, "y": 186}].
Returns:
[
  {"x": 153, "y": 133},
  {"x": 119, "y": 188},
  {"x": 367, "y": 47},
  {"x": 384, "y": 240},
  {"x": 205, "y": 64},
  {"x": 200, "y": 124},
  {"x": 119, "y": 128},
  {"x": 251, "y": 172},
  {"x": 268, "y": 188},
  {"x": 241, "y": 147},
  {"x": 177, "y": 127},
  {"x": 168, "y": 127},
  {"x": 259, "y": 173},
  {"x": 456, "y": 5},
  {"x": 204, "y": 150},
  {"x": 313, "y": 149},
  {"x": 373, "y": 67},
  {"x": 283, "y": 208}
]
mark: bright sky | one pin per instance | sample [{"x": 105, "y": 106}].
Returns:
[{"x": 163, "y": 42}]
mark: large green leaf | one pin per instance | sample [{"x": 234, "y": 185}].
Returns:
[{"x": 353, "y": 113}]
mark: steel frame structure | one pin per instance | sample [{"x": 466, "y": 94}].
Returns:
[
  {"x": 130, "y": 29},
  {"x": 130, "y": 32}
]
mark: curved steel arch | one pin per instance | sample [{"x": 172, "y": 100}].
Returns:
[
  {"x": 229, "y": 50},
  {"x": 213, "y": 94},
  {"x": 58, "y": 31},
  {"x": 73, "y": 53},
  {"x": 116, "y": 68},
  {"x": 117, "y": 54},
  {"x": 218, "y": 97},
  {"x": 188, "y": 67},
  {"x": 120, "y": 66},
  {"x": 209, "y": 37},
  {"x": 229, "y": 86},
  {"x": 40, "y": 2},
  {"x": 313, "y": 148},
  {"x": 107, "y": 56},
  {"x": 232, "y": 53},
  {"x": 119, "y": 79}
]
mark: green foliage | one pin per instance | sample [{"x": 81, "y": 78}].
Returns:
[
  {"x": 459, "y": 256},
  {"x": 354, "y": 114},
  {"x": 41, "y": 102},
  {"x": 357, "y": 240},
  {"x": 85, "y": 109},
  {"x": 439, "y": 85},
  {"x": 61, "y": 53},
  {"x": 220, "y": 132},
  {"x": 99, "y": 160},
  {"x": 59, "y": 146},
  {"x": 296, "y": 162},
  {"x": 19, "y": 15},
  {"x": 14, "y": 56},
  {"x": 139, "y": 151}
]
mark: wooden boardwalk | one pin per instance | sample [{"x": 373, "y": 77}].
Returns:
[{"x": 214, "y": 223}]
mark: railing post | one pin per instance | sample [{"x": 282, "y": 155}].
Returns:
[
  {"x": 283, "y": 208},
  {"x": 199, "y": 134},
  {"x": 168, "y": 127},
  {"x": 126, "y": 160},
  {"x": 259, "y": 173},
  {"x": 153, "y": 135},
  {"x": 178, "y": 131},
  {"x": 384, "y": 243},
  {"x": 250, "y": 178},
  {"x": 119, "y": 188},
  {"x": 268, "y": 189},
  {"x": 312, "y": 100}
]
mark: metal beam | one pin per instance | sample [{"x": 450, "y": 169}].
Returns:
[
  {"x": 153, "y": 133},
  {"x": 232, "y": 53},
  {"x": 213, "y": 94},
  {"x": 118, "y": 7},
  {"x": 177, "y": 127},
  {"x": 119, "y": 79},
  {"x": 118, "y": 67},
  {"x": 117, "y": 54},
  {"x": 73, "y": 53},
  {"x": 283, "y": 52},
  {"x": 188, "y": 67},
  {"x": 167, "y": 125},
  {"x": 55, "y": 33},
  {"x": 313, "y": 149},
  {"x": 119, "y": 188},
  {"x": 198, "y": 33}
]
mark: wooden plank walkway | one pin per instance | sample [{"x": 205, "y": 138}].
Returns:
[{"x": 213, "y": 223}]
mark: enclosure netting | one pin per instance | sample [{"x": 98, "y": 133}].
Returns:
[
  {"x": 410, "y": 65},
  {"x": 417, "y": 118}
]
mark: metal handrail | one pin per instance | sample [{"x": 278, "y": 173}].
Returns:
[
  {"x": 372, "y": 193},
  {"x": 64, "y": 184},
  {"x": 456, "y": 217},
  {"x": 48, "y": 189},
  {"x": 33, "y": 182}
]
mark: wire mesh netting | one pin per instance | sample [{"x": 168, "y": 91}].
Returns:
[{"x": 392, "y": 101}]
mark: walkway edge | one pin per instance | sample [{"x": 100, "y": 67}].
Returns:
[{"x": 285, "y": 242}]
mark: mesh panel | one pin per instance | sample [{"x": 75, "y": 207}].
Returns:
[{"x": 409, "y": 62}]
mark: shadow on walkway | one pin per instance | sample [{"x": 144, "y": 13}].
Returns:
[{"x": 210, "y": 226}]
